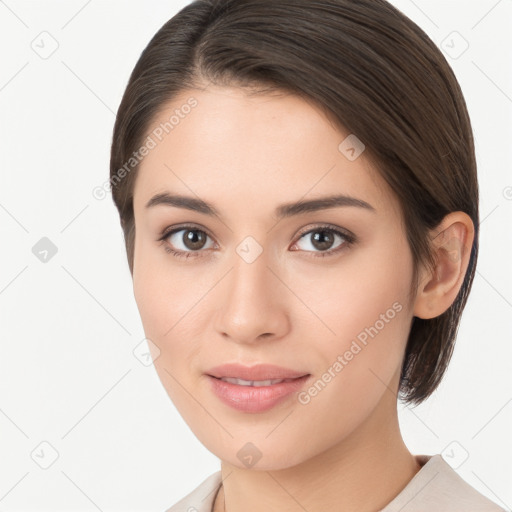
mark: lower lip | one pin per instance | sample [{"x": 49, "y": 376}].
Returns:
[{"x": 252, "y": 398}]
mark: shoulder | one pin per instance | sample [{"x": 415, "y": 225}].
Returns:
[
  {"x": 437, "y": 486},
  {"x": 201, "y": 499}
]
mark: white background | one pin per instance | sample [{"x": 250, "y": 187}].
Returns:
[{"x": 68, "y": 328}]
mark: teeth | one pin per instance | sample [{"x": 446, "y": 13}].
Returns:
[{"x": 255, "y": 383}]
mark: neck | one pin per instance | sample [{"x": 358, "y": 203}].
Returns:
[{"x": 362, "y": 473}]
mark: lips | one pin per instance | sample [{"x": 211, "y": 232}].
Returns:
[
  {"x": 256, "y": 398},
  {"x": 258, "y": 373}
]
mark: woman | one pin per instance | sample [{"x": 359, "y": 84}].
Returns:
[{"x": 296, "y": 182}]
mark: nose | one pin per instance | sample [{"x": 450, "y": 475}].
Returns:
[{"x": 253, "y": 302}]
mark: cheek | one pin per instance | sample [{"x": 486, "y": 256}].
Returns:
[
  {"x": 168, "y": 316},
  {"x": 357, "y": 367},
  {"x": 366, "y": 307},
  {"x": 165, "y": 302},
  {"x": 353, "y": 294},
  {"x": 162, "y": 292},
  {"x": 166, "y": 306}
]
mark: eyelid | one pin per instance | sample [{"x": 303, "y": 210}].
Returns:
[
  {"x": 179, "y": 227},
  {"x": 328, "y": 227}
]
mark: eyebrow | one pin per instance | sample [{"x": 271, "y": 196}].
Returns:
[{"x": 284, "y": 210}]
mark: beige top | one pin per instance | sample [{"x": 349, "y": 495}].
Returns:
[{"x": 436, "y": 487}]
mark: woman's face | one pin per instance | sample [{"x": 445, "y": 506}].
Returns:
[{"x": 254, "y": 287}]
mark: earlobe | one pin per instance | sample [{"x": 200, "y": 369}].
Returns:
[{"x": 451, "y": 242}]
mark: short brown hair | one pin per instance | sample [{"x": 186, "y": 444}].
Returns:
[{"x": 369, "y": 67}]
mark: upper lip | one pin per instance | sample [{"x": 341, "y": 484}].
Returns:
[{"x": 256, "y": 372}]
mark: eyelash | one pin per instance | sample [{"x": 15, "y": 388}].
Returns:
[{"x": 348, "y": 237}]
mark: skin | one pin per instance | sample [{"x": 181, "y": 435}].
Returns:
[{"x": 292, "y": 307}]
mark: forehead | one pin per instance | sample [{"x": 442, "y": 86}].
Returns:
[{"x": 271, "y": 147}]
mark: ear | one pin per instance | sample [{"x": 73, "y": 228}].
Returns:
[{"x": 438, "y": 288}]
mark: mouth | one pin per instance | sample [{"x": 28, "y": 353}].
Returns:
[
  {"x": 255, "y": 383},
  {"x": 256, "y": 375},
  {"x": 255, "y": 396}
]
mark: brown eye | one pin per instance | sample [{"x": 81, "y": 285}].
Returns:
[
  {"x": 187, "y": 239},
  {"x": 324, "y": 240},
  {"x": 194, "y": 239}
]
